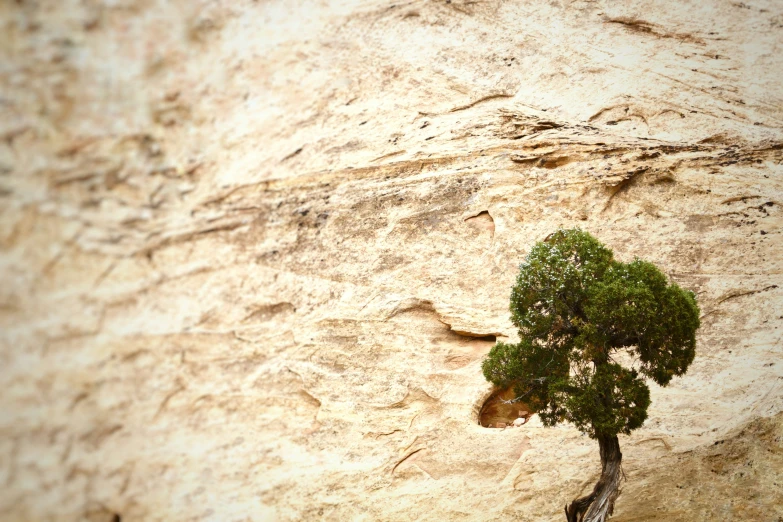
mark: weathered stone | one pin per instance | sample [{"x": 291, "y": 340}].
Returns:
[{"x": 253, "y": 253}]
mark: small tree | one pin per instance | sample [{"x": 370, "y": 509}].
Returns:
[{"x": 576, "y": 309}]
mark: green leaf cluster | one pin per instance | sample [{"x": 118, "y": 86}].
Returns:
[{"x": 576, "y": 308}]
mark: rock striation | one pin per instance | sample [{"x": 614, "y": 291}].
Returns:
[{"x": 253, "y": 253}]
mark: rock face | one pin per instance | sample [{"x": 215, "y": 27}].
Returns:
[
  {"x": 253, "y": 253},
  {"x": 499, "y": 408}
]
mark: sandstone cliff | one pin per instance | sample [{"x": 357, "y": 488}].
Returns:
[{"x": 253, "y": 253}]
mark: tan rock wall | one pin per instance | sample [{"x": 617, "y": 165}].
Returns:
[{"x": 251, "y": 251}]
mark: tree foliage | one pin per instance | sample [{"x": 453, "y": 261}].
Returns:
[{"x": 576, "y": 309}]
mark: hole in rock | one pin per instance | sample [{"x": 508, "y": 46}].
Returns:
[
  {"x": 498, "y": 412},
  {"x": 554, "y": 162},
  {"x": 490, "y": 338},
  {"x": 483, "y": 221},
  {"x": 99, "y": 513}
]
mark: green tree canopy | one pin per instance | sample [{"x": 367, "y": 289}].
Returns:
[{"x": 576, "y": 309}]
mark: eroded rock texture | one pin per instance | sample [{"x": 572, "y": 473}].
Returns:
[{"x": 254, "y": 252}]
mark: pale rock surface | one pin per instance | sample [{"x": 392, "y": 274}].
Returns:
[{"x": 253, "y": 252}]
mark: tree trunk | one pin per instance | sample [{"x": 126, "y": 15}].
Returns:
[{"x": 599, "y": 504}]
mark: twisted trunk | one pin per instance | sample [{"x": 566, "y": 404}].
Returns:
[{"x": 599, "y": 504}]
